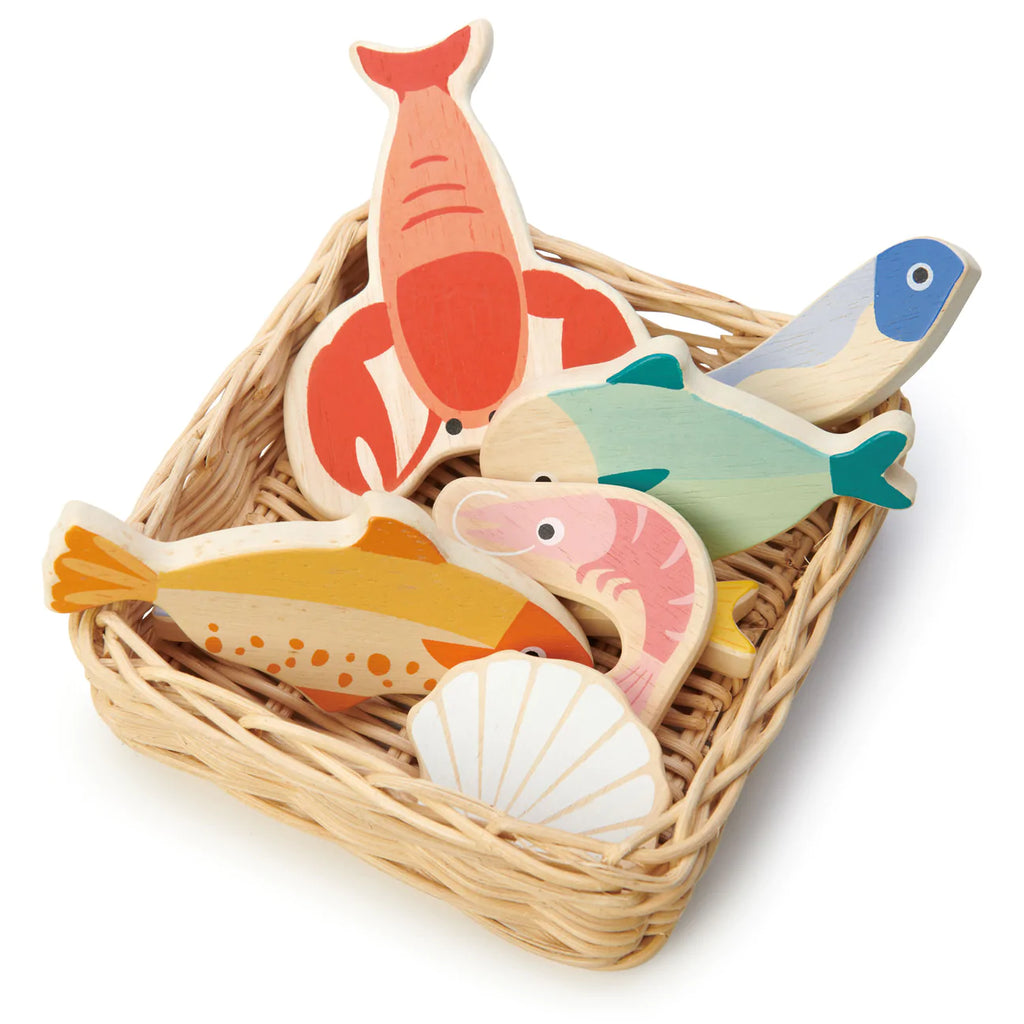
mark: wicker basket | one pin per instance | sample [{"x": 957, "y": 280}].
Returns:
[{"x": 352, "y": 777}]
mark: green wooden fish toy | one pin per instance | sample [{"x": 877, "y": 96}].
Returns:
[{"x": 739, "y": 468}]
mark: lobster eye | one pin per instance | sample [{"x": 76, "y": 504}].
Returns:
[
  {"x": 550, "y": 530},
  {"x": 544, "y": 478},
  {"x": 920, "y": 276},
  {"x": 535, "y": 652}
]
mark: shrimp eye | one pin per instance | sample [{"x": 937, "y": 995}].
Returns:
[
  {"x": 920, "y": 276},
  {"x": 544, "y": 478},
  {"x": 535, "y": 652},
  {"x": 550, "y": 530}
]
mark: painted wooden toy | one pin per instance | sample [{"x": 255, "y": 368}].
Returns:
[
  {"x": 738, "y": 468},
  {"x": 409, "y": 371},
  {"x": 865, "y": 337},
  {"x": 728, "y": 651},
  {"x": 625, "y": 552},
  {"x": 546, "y": 742},
  {"x": 376, "y": 603}
]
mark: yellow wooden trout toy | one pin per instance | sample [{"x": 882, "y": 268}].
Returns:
[{"x": 375, "y": 603}]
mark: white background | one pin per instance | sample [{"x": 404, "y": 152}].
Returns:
[{"x": 168, "y": 170}]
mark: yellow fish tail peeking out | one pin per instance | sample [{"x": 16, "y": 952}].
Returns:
[{"x": 378, "y": 602}]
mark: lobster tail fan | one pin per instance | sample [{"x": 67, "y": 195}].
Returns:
[{"x": 418, "y": 69}]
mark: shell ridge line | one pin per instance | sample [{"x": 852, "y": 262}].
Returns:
[
  {"x": 449, "y": 743},
  {"x": 642, "y": 772},
  {"x": 597, "y": 830},
  {"x": 542, "y": 753},
  {"x": 502, "y": 709},
  {"x": 513, "y": 740},
  {"x": 606, "y": 735},
  {"x": 425, "y": 725},
  {"x": 630, "y": 732},
  {"x": 480, "y": 739},
  {"x": 461, "y": 700}
]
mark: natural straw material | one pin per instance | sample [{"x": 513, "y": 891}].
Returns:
[{"x": 352, "y": 777}]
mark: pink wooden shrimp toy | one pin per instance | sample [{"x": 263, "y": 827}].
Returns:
[
  {"x": 409, "y": 371},
  {"x": 626, "y": 552}
]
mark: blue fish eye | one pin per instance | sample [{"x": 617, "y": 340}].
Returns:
[
  {"x": 920, "y": 276},
  {"x": 913, "y": 280}
]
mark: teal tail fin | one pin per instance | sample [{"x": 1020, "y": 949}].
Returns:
[{"x": 860, "y": 472}]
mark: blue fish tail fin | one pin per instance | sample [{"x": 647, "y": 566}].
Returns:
[{"x": 867, "y": 472}]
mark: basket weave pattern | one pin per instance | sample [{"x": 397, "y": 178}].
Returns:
[{"x": 352, "y": 777}]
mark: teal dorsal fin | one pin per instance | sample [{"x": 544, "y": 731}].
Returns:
[
  {"x": 660, "y": 370},
  {"x": 637, "y": 479}
]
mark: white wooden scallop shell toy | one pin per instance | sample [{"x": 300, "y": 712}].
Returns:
[{"x": 544, "y": 741}]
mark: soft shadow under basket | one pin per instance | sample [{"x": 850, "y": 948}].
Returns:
[{"x": 352, "y": 777}]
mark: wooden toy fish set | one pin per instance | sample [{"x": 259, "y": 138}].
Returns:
[{"x": 527, "y": 688}]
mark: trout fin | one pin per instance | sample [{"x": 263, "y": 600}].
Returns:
[
  {"x": 332, "y": 701},
  {"x": 392, "y": 537},
  {"x": 449, "y": 655},
  {"x": 86, "y": 567},
  {"x": 412, "y": 70},
  {"x": 867, "y": 472}
]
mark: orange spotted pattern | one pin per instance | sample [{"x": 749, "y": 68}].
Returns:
[
  {"x": 213, "y": 643},
  {"x": 378, "y": 664}
]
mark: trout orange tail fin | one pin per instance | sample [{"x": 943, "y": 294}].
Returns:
[
  {"x": 85, "y": 568},
  {"x": 417, "y": 69}
]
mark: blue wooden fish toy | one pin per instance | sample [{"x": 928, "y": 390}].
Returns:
[
  {"x": 738, "y": 468},
  {"x": 865, "y": 337}
]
